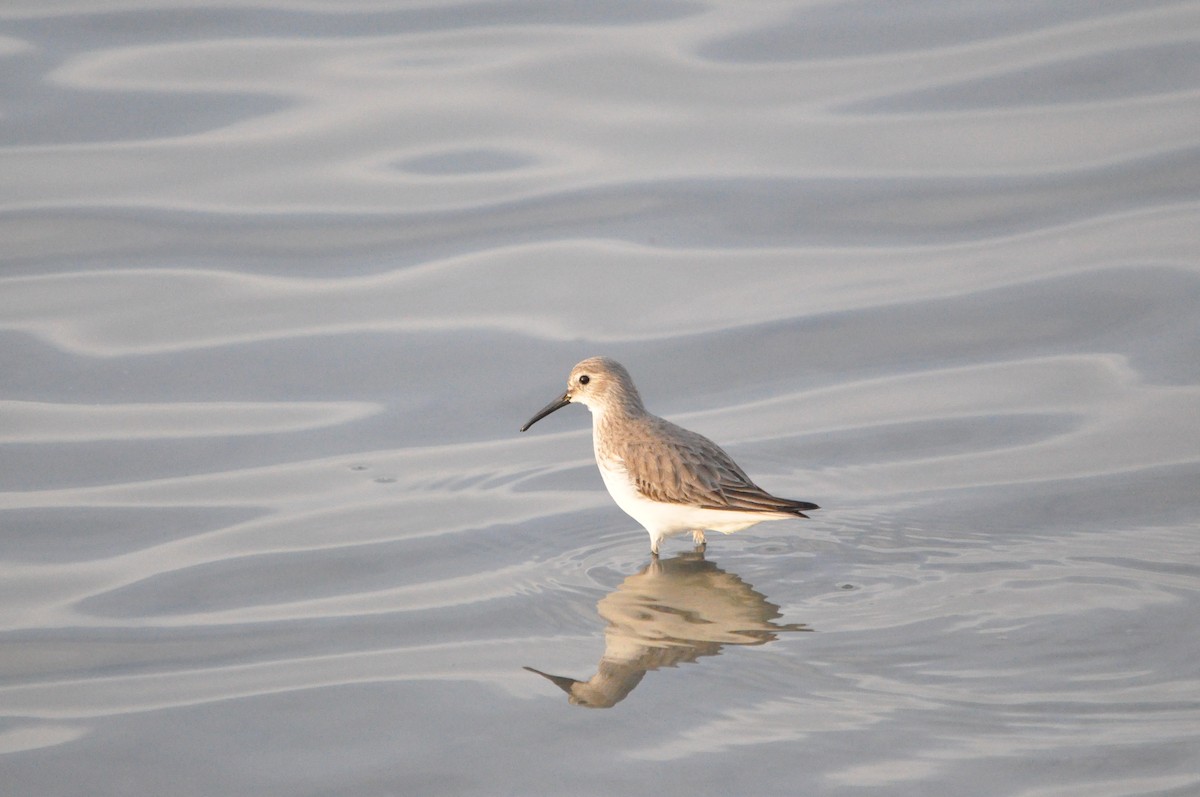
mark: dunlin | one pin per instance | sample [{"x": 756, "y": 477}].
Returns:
[{"x": 669, "y": 479}]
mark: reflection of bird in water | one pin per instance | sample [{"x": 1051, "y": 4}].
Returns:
[{"x": 674, "y": 611}]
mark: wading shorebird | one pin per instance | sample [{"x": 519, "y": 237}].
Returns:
[{"x": 669, "y": 479}]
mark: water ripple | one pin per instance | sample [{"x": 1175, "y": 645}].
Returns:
[
  {"x": 96, "y": 313},
  {"x": 41, "y": 422}
]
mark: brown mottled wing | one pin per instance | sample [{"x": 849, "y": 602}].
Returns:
[{"x": 678, "y": 466}]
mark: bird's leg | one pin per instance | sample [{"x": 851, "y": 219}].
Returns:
[{"x": 698, "y": 540}]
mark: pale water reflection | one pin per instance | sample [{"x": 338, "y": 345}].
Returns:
[{"x": 674, "y": 611}]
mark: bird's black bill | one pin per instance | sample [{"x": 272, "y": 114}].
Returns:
[
  {"x": 560, "y": 681},
  {"x": 557, "y": 404}
]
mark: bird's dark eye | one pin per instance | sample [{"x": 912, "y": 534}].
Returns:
[{"x": 583, "y": 380}]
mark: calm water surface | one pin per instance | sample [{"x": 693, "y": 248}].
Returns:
[{"x": 280, "y": 281}]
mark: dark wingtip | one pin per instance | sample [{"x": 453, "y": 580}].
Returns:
[{"x": 800, "y": 507}]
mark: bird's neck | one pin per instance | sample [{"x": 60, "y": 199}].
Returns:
[{"x": 603, "y": 418}]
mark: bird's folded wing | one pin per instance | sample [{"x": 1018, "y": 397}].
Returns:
[{"x": 688, "y": 468}]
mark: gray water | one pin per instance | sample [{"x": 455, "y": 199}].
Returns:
[{"x": 281, "y": 281}]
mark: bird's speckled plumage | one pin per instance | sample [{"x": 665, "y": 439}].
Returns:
[{"x": 670, "y": 479}]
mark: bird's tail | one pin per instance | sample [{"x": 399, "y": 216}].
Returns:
[{"x": 798, "y": 508}]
